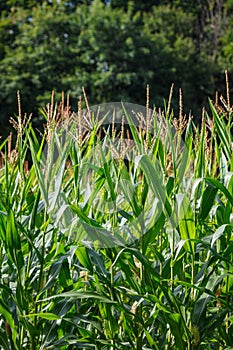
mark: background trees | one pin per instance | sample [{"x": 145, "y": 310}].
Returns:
[{"x": 113, "y": 49}]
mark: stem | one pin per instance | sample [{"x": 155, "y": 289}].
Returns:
[
  {"x": 161, "y": 250},
  {"x": 192, "y": 276},
  {"x": 172, "y": 259},
  {"x": 40, "y": 279}
]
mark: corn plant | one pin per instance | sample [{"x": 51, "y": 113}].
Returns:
[{"x": 117, "y": 242}]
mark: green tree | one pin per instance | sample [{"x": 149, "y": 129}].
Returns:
[
  {"x": 113, "y": 49},
  {"x": 113, "y": 53},
  {"x": 102, "y": 49},
  {"x": 41, "y": 55},
  {"x": 137, "y": 5},
  {"x": 227, "y": 37}
]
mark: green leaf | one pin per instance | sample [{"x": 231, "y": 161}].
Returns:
[
  {"x": 221, "y": 187},
  {"x": 45, "y": 315},
  {"x": 200, "y": 157},
  {"x": 174, "y": 321},
  {"x": 186, "y": 222},
  {"x": 133, "y": 130},
  {"x": 81, "y": 295},
  {"x": 130, "y": 195},
  {"x": 207, "y": 201},
  {"x": 155, "y": 182},
  {"x": 222, "y": 132},
  {"x": 219, "y": 232},
  {"x": 185, "y": 159},
  {"x": 84, "y": 258},
  {"x": 151, "y": 340},
  {"x": 13, "y": 241},
  {"x": 95, "y": 231},
  {"x": 9, "y": 319},
  {"x": 38, "y": 170}
]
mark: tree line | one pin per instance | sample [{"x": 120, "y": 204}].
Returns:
[{"x": 114, "y": 49}]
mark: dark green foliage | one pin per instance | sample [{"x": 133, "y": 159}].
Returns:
[{"x": 114, "y": 49}]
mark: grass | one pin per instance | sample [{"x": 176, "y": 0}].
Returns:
[{"x": 117, "y": 242}]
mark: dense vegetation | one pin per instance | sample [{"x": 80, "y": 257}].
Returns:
[
  {"x": 118, "y": 232},
  {"x": 114, "y": 49},
  {"x": 96, "y": 254}
]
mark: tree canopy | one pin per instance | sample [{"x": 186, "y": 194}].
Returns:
[{"x": 114, "y": 49}]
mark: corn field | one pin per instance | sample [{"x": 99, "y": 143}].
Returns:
[{"x": 117, "y": 235}]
